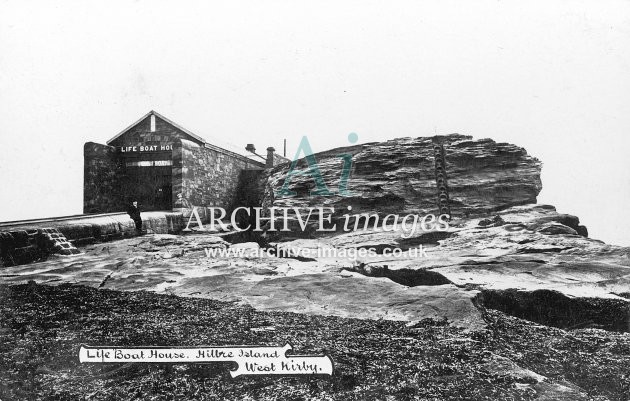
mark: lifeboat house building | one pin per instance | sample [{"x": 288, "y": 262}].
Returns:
[{"x": 164, "y": 166}]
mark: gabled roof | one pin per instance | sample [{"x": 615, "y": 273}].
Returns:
[
  {"x": 225, "y": 147},
  {"x": 155, "y": 113}
]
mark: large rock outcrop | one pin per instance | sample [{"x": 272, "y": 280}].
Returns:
[
  {"x": 498, "y": 252},
  {"x": 410, "y": 176}
]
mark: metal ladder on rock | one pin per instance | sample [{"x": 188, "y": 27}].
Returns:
[{"x": 443, "y": 201}]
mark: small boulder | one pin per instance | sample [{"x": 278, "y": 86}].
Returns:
[
  {"x": 553, "y": 228},
  {"x": 493, "y": 222}
]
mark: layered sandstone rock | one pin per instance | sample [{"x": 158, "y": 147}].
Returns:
[
  {"x": 499, "y": 251},
  {"x": 403, "y": 176}
]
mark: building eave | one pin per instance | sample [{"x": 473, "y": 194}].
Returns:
[
  {"x": 155, "y": 113},
  {"x": 202, "y": 141}
]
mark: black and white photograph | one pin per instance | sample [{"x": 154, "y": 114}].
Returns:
[{"x": 314, "y": 200}]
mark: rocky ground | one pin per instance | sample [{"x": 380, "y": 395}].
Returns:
[
  {"x": 440, "y": 325},
  {"x": 528, "y": 261},
  {"x": 441, "y": 319},
  {"x": 510, "y": 359}
]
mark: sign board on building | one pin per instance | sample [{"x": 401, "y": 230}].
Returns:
[{"x": 146, "y": 148}]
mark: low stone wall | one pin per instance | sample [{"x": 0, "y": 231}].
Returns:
[
  {"x": 19, "y": 247},
  {"x": 108, "y": 228},
  {"x": 22, "y": 244}
]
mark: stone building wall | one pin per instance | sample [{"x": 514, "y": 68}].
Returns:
[
  {"x": 102, "y": 172},
  {"x": 204, "y": 174},
  {"x": 208, "y": 176}
]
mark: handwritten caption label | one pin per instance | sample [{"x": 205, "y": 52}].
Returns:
[{"x": 251, "y": 360}]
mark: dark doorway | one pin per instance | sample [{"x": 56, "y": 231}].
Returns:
[{"x": 150, "y": 185}]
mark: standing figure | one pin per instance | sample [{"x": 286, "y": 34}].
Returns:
[
  {"x": 134, "y": 212},
  {"x": 183, "y": 202}
]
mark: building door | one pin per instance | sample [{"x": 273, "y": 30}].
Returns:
[{"x": 150, "y": 185}]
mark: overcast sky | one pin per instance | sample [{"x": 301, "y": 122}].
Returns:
[{"x": 551, "y": 76}]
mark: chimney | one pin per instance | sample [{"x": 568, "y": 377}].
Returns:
[{"x": 270, "y": 151}]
